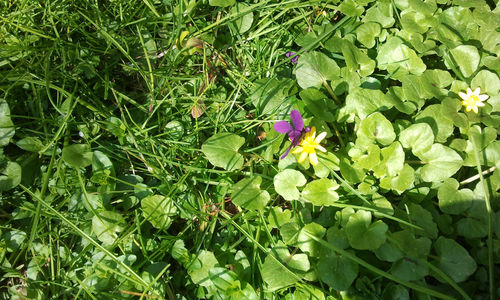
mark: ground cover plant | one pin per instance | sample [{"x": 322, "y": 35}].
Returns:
[{"x": 249, "y": 150}]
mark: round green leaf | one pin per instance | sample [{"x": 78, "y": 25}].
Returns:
[
  {"x": 364, "y": 235},
  {"x": 418, "y": 137},
  {"x": 315, "y": 68},
  {"x": 423, "y": 218},
  {"x": 375, "y": 128},
  {"x": 7, "y": 130},
  {"x": 247, "y": 193},
  {"x": 467, "y": 58},
  {"x": 306, "y": 243},
  {"x": 487, "y": 81},
  {"x": 452, "y": 200},
  {"x": 221, "y": 150},
  {"x": 107, "y": 225},
  {"x": 337, "y": 271},
  {"x": 174, "y": 130},
  {"x": 395, "y": 56},
  {"x": 321, "y": 192},
  {"x": 410, "y": 269},
  {"x": 367, "y": 32},
  {"x": 441, "y": 162},
  {"x": 286, "y": 182},
  {"x": 363, "y": 102},
  {"x": 10, "y": 176},
  {"x": 441, "y": 124},
  {"x": 243, "y": 23},
  {"x": 200, "y": 267},
  {"x": 158, "y": 210},
  {"x": 392, "y": 162},
  {"x": 77, "y": 155},
  {"x": 454, "y": 259}
]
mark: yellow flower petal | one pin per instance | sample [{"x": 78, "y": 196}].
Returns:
[
  {"x": 313, "y": 159},
  {"x": 302, "y": 157}
]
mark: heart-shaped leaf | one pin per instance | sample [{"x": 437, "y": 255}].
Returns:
[
  {"x": 158, "y": 210},
  {"x": 418, "y": 137},
  {"x": 364, "y": 235},
  {"x": 247, "y": 193},
  {"x": 337, "y": 271},
  {"x": 441, "y": 162},
  {"x": 454, "y": 259},
  {"x": 221, "y": 150},
  {"x": 375, "y": 128},
  {"x": 321, "y": 192},
  {"x": 78, "y": 155},
  {"x": 452, "y": 200},
  {"x": 467, "y": 58},
  {"x": 286, "y": 182},
  {"x": 107, "y": 225},
  {"x": 314, "y": 69}
]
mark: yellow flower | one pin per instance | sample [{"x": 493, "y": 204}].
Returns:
[
  {"x": 472, "y": 100},
  {"x": 308, "y": 145}
]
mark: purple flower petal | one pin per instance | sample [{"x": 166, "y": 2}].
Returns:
[
  {"x": 298, "y": 124},
  {"x": 286, "y": 152},
  {"x": 283, "y": 127}
]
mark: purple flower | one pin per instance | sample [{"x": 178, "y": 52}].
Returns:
[
  {"x": 293, "y": 59},
  {"x": 294, "y": 131}
]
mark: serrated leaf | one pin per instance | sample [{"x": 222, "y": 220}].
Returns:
[
  {"x": 247, "y": 193},
  {"x": 286, "y": 182},
  {"x": 321, "y": 192},
  {"x": 314, "y": 69},
  {"x": 221, "y": 150}
]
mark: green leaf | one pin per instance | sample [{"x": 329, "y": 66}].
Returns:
[
  {"x": 106, "y": 225},
  {"x": 286, "y": 182},
  {"x": 356, "y": 60},
  {"x": 367, "y": 32},
  {"x": 411, "y": 246},
  {"x": 421, "y": 217},
  {"x": 395, "y": 57},
  {"x": 482, "y": 137},
  {"x": 475, "y": 224},
  {"x": 221, "y": 3},
  {"x": 454, "y": 201},
  {"x": 280, "y": 266},
  {"x": 328, "y": 161},
  {"x": 158, "y": 210},
  {"x": 247, "y": 193},
  {"x": 467, "y": 59},
  {"x": 277, "y": 217},
  {"x": 7, "y": 129},
  {"x": 441, "y": 162},
  {"x": 351, "y": 8},
  {"x": 102, "y": 168},
  {"x": 31, "y": 144},
  {"x": 174, "y": 130},
  {"x": 268, "y": 95},
  {"x": 337, "y": 237},
  {"x": 392, "y": 162},
  {"x": 375, "y": 128},
  {"x": 382, "y": 12},
  {"x": 10, "y": 176},
  {"x": 388, "y": 252},
  {"x": 314, "y": 69},
  {"x": 418, "y": 137},
  {"x": 363, "y": 102},
  {"x": 487, "y": 81},
  {"x": 454, "y": 259},
  {"x": 200, "y": 267},
  {"x": 77, "y": 155},
  {"x": 244, "y": 23},
  {"x": 337, "y": 271},
  {"x": 410, "y": 269},
  {"x": 400, "y": 183},
  {"x": 321, "y": 192},
  {"x": 319, "y": 104},
  {"x": 13, "y": 239},
  {"x": 224, "y": 280},
  {"x": 441, "y": 124},
  {"x": 364, "y": 235},
  {"x": 308, "y": 244},
  {"x": 221, "y": 150}
]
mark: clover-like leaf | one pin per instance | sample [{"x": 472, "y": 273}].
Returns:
[
  {"x": 286, "y": 183},
  {"x": 247, "y": 193},
  {"x": 158, "y": 210},
  {"x": 321, "y": 192},
  {"x": 221, "y": 150},
  {"x": 77, "y": 155},
  {"x": 314, "y": 69},
  {"x": 452, "y": 200},
  {"x": 337, "y": 271},
  {"x": 467, "y": 58},
  {"x": 418, "y": 137},
  {"x": 454, "y": 259},
  {"x": 440, "y": 163},
  {"x": 364, "y": 235}
]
